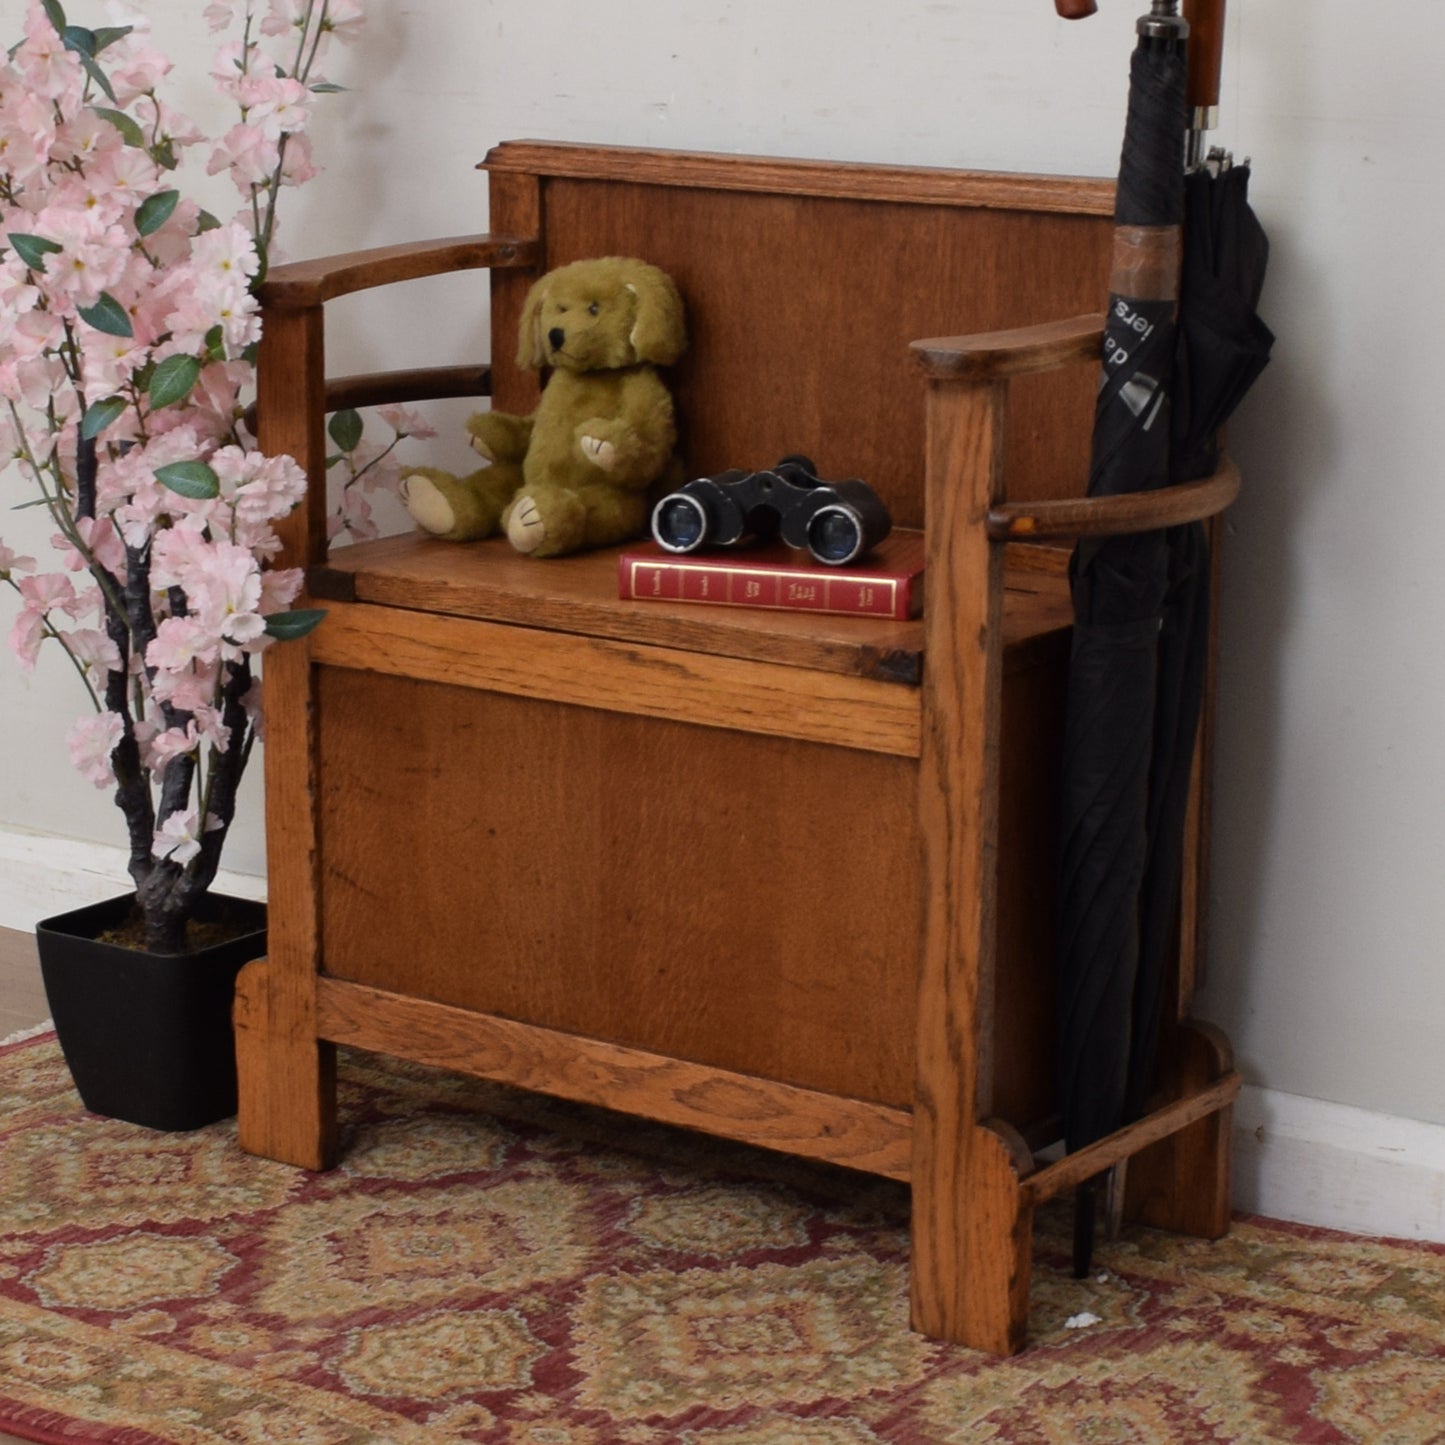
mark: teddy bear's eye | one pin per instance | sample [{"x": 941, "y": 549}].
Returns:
[{"x": 593, "y": 309}]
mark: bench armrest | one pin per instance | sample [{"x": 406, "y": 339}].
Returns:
[
  {"x": 300, "y": 284},
  {"x": 996, "y": 355},
  {"x": 1115, "y": 516}
]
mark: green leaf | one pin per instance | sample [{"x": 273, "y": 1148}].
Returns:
[
  {"x": 346, "y": 428},
  {"x": 155, "y": 211},
  {"x": 107, "y": 315},
  {"x": 288, "y": 626},
  {"x": 109, "y": 34},
  {"x": 206, "y": 222},
  {"x": 190, "y": 479},
  {"x": 173, "y": 380},
  {"x": 129, "y": 129},
  {"x": 99, "y": 77},
  {"x": 79, "y": 39},
  {"x": 100, "y": 414},
  {"x": 326, "y": 87},
  {"x": 163, "y": 153},
  {"x": 55, "y": 15},
  {"x": 32, "y": 249},
  {"x": 215, "y": 344}
]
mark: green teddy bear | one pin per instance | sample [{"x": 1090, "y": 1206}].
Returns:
[{"x": 576, "y": 473}]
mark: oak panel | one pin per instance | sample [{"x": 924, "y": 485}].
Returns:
[
  {"x": 716, "y": 692},
  {"x": 757, "y": 1111},
  {"x": 743, "y": 901}
]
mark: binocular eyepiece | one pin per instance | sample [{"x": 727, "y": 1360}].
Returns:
[{"x": 835, "y": 521}]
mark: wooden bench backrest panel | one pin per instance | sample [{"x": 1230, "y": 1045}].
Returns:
[{"x": 805, "y": 283}]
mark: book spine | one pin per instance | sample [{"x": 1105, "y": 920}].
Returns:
[{"x": 649, "y": 580}]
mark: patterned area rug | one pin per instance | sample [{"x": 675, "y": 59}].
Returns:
[{"x": 491, "y": 1267}]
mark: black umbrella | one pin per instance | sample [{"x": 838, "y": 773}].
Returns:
[
  {"x": 1141, "y": 604},
  {"x": 1223, "y": 345}
]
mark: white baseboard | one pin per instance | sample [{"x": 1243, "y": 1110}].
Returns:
[
  {"x": 41, "y": 875},
  {"x": 1338, "y": 1166},
  {"x": 1294, "y": 1158}
]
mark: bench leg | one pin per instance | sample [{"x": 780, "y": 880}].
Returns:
[
  {"x": 286, "y": 1075},
  {"x": 972, "y": 1246},
  {"x": 1182, "y": 1183}
]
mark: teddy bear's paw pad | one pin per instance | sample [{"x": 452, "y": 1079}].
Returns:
[
  {"x": 599, "y": 453},
  {"x": 428, "y": 508},
  {"x": 526, "y": 530},
  {"x": 483, "y": 450}
]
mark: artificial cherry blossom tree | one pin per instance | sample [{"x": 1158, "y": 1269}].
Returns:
[{"x": 128, "y": 331}]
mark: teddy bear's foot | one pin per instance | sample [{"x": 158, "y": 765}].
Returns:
[
  {"x": 427, "y": 505},
  {"x": 546, "y": 523},
  {"x": 526, "y": 530},
  {"x": 458, "y": 509}
]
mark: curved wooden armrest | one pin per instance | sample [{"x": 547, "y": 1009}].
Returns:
[
  {"x": 379, "y": 388},
  {"x": 310, "y": 283},
  {"x": 1115, "y": 516},
  {"x": 994, "y": 355}
]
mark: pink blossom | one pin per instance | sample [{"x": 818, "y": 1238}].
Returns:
[
  {"x": 189, "y": 690},
  {"x": 93, "y": 253},
  {"x": 138, "y": 73},
  {"x": 104, "y": 543},
  {"x": 161, "y": 747},
  {"x": 274, "y": 104},
  {"x": 94, "y": 648},
  {"x": 248, "y": 154},
  {"x": 219, "y": 14},
  {"x": 296, "y": 164},
  {"x": 406, "y": 421},
  {"x": 48, "y": 68},
  {"x": 9, "y": 562},
  {"x": 178, "y": 838},
  {"x": 92, "y": 742},
  {"x": 344, "y": 20},
  {"x": 179, "y": 643}
]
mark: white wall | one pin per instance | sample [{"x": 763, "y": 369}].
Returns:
[{"x": 1327, "y": 905}]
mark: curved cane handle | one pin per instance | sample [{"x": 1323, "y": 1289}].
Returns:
[{"x": 1075, "y": 9}]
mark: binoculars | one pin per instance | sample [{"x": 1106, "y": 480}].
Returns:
[{"x": 837, "y": 522}]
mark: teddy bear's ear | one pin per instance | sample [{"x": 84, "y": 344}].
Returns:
[
  {"x": 530, "y": 351},
  {"x": 658, "y": 334}
]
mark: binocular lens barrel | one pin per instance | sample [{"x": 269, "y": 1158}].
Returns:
[
  {"x": 836, "y": 534},
  {"x": 679, "y": 523}
]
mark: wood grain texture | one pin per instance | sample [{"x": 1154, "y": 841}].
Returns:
[
  {"x": 714, "y": 692},
  {"x": 1206, "y": 51},
  {"x": 288, "y": 1107},
  {"x": 965, "y": 1260},
  {"x": 782, "y": 877},
  {"x": 579, "y": 594},
  {"x": 1019, "y": 351},
  {"x": 775, "y": 175},
  {"x": 801, "y": 310},
  {"x": 743, "y": 901},
  {"x": 1114, "y": 516},
  {"x": 1124, "y": 1143},
  {"x": 850, "y": 1132},
  {"x": 419, "y": 384},
  {"x": 516, "y": 209},
  {"x": 310, "y": 283},
  {"x": 1181, "y": 1183}
]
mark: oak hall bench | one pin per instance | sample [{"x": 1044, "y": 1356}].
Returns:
[{"x": 781, "y": 877}]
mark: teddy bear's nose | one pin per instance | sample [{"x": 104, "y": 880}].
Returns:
[{"x": 555, "y": 337}]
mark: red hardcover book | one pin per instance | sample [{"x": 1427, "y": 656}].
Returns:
[{"x": 888, "y": 582}]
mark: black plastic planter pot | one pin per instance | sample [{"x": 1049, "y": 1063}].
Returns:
[{"x": 147, "y": 1037}]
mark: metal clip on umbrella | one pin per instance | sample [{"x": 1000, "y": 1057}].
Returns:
[{"x": 1141, "y": 609}]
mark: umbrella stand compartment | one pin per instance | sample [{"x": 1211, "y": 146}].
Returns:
[{"x": 782, "y": 877}]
